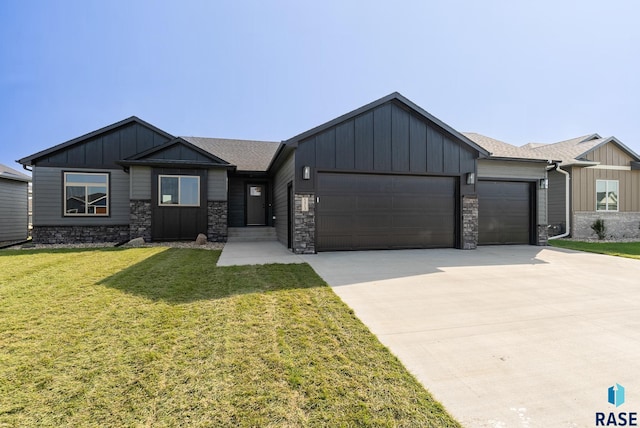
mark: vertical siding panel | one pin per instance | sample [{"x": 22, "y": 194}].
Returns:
[
  {"x": 326, "y": 149},
  {"x": 451, "y": 157},
  {"x": 128, "y": 136},
  {"x": 283, "y": 177},
  {"x": 345, "y": 145},
  {"x": 418, "y": 145},
  {"x": 111, "y": 147},
  {"x": 399, "y": 140},
  {"x": 305, "y": 156},
  {"x": 434, "y": 150},
  {"x": 364, "y": 142},
  {"x": 144, "y": 140},
  {"x": 382, "y": 138}
]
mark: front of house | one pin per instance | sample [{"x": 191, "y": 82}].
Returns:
[{"x": 387, "y": 175}]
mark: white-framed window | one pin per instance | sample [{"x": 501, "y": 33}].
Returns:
[
  {"x": 607, "y": 195},
  {"x": 179, "y": 190},
  {"x": 86, "y": 194}
]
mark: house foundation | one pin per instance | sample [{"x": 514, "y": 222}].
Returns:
[{"x": 80, "y": 234}]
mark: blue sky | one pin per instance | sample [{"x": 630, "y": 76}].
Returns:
[{"x": 517, "y": 71}]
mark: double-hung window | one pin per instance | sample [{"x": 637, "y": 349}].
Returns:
[
  {"x": 179, "y": 190},
  {"x": 607, "y": 195},
  {"x": 86, "y": 194}
]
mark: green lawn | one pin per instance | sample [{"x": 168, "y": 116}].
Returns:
[
  {"x": 622, "y": 249},
  {"x": 161, "y": 337}
]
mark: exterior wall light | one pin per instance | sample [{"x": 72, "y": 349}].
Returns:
[
  {"x": 471, "y": 178},
  {"x": 306, "y": 172},
  {"x": 544, "y": 183}
]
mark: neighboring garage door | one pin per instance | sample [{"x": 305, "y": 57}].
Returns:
[
  {"x": 363, "y": 211},
  {"x": 504, "y": 212}
]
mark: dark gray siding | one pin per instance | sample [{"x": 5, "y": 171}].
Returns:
[
  {"x": 48, "y": 195},
  {"x": 104, "y": 150},
  {"x": 387, "y": 139},
  {"x": 283, "y": 177},
  {"x": 13, "y": 210},
  {"x": 557, "y": 199},
  {"x": 178, "y": 151},
  {"x": 236, "y": 202}
]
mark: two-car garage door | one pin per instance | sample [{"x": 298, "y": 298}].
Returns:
[{"x": 368, "y": 211}]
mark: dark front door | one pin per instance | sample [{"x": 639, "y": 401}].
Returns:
[
  {"x": 256, "y": 205},
  {"x": 362, "y": 211},
  {"x": 504, "y": 212}
]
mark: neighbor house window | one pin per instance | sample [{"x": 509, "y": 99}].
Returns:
[
  {"x": 607, "y": 195},
  {"x": 179, "y": 190},
  {"x": 86, "y": 194}
]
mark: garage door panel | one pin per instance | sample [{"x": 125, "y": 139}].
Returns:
[
  {"x": 385, "y": 211},
  {"x": 504, "y": 212}
]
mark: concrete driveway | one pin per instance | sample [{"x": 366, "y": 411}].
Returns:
[{"x": 511, "y": 336}]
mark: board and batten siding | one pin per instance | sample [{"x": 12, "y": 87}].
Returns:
[
  {"x": 49, "y": 193},
  {"x": 610, "y": 154},
  {"x": 283, "y": 177},
  {"x": 583, "y": 182},
  {"x": 518, "y": 171},
  {"x": 13, "y": 210},
  {"x": 386, "y": 139}
]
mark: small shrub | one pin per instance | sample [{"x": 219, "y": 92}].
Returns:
[{"x": 599, "y": 228}]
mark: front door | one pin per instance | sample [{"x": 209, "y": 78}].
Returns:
[{"x": 256, "y": 204}]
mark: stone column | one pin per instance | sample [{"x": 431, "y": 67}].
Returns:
[
  {"x": 543, "y": 234},
  {"x": 469, "y": 222},
  {"x": 217, "y": 221},
  {"x": 304, "y": 217},
  {"x": 140, "y": 219}
]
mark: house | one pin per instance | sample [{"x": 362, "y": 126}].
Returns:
[
  {"x": 386, "y": 175},
  {"x": 14, "y": 212},
  {"x": 597, "y": 178}
]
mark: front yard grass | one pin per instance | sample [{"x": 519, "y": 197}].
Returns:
[
  {"x": 622, "y": 249},
  {"x": 163, "y": 337}
]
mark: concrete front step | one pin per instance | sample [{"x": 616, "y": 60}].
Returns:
[{"x": 249, "y": 234}]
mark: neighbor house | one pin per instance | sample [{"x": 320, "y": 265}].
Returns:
[
  {"x": 387, "y": 175},
  {"x": 597, "y": 178},
  {"x": 14, "y": 209}
]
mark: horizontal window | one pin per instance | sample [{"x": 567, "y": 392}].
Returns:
[
  {"x": 179, "y": 190},
  {"x": 86, "y": 194},
  {"x": 607, "y": 195}
]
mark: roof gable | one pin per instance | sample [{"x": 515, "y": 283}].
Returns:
[
  {"x": 399, "y": 100},
  {"x": 577, "y": 150},
  {"x": 103, "y": 147},
  {"x": 177, "y": 151}
]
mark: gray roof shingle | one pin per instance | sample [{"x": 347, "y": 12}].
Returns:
[
  {"x": 500, "y": 149},
  {"x": 246, "y": 155},
  {"x": 569, "y": 151}
]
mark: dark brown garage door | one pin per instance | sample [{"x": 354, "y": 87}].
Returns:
[
  {"x": 504, "y": 212},
  {"x": 361, "y": 212}
]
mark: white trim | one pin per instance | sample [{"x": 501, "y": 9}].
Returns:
[
  {"x": 611, "y": 167},
  {"x": 179, "y": 177},
  {"x": 606, "y": 190},
  {"x": 86, "y": 186}
]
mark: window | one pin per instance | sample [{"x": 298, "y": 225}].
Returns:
[
  {"x": 179, "y": 190},
  {"x": 606, "y": 195},
  {"x": 86, "y": 194}
]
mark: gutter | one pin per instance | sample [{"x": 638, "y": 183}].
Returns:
[{"x": 567, "y": 178}]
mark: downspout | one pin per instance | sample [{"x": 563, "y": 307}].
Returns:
[{"x": 567, "y": 179}]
